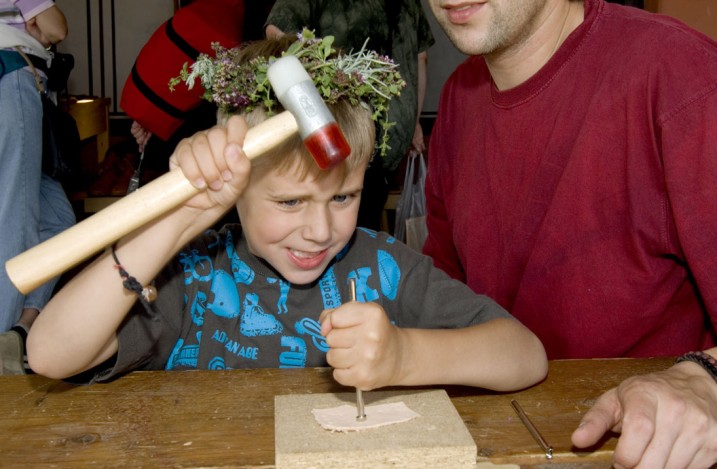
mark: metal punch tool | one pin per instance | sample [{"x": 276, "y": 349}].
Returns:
[
  {"x": 532, "y": 429},
  {"x": 361, "y": 414}
]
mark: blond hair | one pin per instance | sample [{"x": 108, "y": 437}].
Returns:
[{"x": 354, "y": 120}]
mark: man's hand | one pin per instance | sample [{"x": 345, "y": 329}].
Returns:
[
  {"x": 418, "y": 144},
  {"x": 666, "y": 419}
]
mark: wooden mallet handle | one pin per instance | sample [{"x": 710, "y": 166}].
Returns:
[{"x": 51, "y": 258}]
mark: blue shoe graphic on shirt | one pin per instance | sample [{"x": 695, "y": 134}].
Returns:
[{"x": 254, "y": 321}]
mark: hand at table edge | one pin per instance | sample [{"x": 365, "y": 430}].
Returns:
[{"x": 666, "y": 419}]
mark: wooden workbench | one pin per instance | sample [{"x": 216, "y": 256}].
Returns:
[{"x": 226, "y": 418}]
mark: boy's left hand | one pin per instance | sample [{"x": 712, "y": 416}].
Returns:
[{"x": 365, "y": 348}]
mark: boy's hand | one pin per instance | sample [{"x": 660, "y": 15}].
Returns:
[
  {"x": 365, "y": 348},
  {"x": 214, "y": 160}
]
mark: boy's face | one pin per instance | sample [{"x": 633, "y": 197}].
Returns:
[{"x": 298, "y": 226}]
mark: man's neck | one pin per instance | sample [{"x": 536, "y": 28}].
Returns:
[{"x": 513, "y": 66}]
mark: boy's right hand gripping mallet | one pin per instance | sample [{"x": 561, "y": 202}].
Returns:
[{"x": 305, "y": 112}]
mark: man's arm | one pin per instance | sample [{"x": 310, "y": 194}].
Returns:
[{"x": 418, "y": 144}]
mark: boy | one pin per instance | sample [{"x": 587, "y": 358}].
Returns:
[{"x": 274, "y": 292}]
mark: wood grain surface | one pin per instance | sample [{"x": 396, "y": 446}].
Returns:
[{"x": 226, "y": 418}]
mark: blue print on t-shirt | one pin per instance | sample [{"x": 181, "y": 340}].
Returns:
[
  {"x": 312, "y": 328},
  {"x": 184, "y": 356},
  {"x": 369, "y": 232},
  {"x": 240, "y": 270},
  {"x": 234, "y": 347},
  {"x": 329, "y": 292},
  {"x": 295, "y": 357},
  {"x": 225, "y": 296},
  {"x": 254, "y": 321},
  {"x": 390, "y": 274},
  {"x": 216, "y": 363},
  {"x": 283, "y": 294},
  {"x": 199, "y": 305},
  {"x": 195, "y": 267},
  {"x": 364, "y": 293}
]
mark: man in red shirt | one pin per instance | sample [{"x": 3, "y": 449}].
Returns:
[{"x": 573, "y": 178}]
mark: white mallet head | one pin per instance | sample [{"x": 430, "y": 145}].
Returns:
[{"x": 317, "y": 127}]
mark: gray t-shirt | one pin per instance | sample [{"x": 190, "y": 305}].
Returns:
[{"x": 221, "y": 307}]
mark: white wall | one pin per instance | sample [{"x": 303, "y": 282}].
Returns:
[{"x": 126, "y": 27}]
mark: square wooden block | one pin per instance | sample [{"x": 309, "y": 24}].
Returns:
[{"x": 438, "y": 438}]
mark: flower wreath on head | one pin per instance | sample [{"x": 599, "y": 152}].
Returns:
[{"x": 364, "y": 78}]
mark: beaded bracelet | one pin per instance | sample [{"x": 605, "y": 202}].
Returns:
[
  {"x": 706, "y": 361},
  {"x": 146, "y": 293}
]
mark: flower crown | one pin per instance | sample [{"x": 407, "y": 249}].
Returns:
[{"x": 364, "y": 78}]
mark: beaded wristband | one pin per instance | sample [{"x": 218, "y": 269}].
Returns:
[
  {"x": 706, "y": 361},
  {"x": 146, "y": 294}
]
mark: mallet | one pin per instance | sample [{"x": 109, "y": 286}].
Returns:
[{"x": 305, "y": 112}]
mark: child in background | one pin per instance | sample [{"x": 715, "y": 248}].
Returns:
[{"x": 274, "y": 291}]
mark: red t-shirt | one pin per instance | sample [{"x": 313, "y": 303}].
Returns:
[{"x": 585, "y": 200}]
